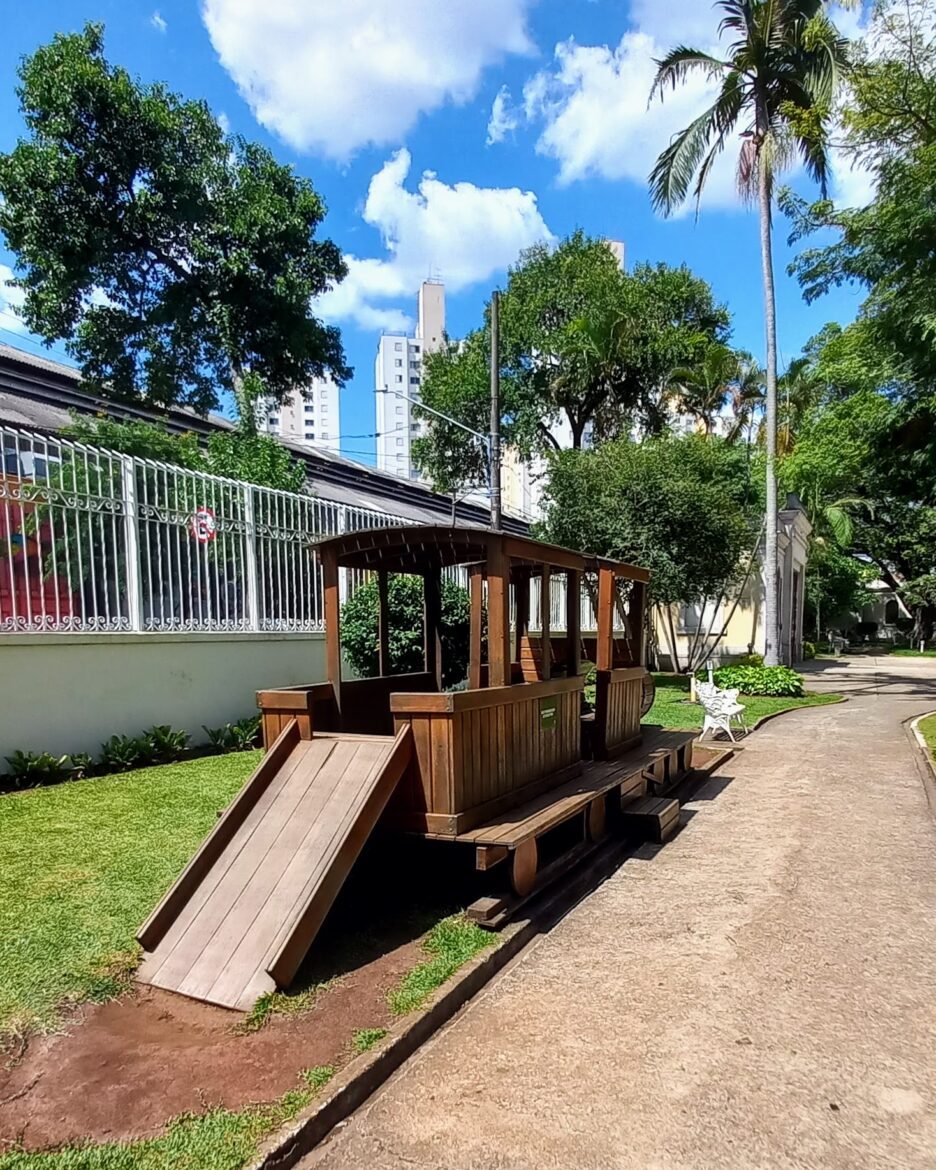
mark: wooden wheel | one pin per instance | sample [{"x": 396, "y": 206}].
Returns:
[
  {"x": 523, "y": 865},
  {"x": 597, "y": 817}
]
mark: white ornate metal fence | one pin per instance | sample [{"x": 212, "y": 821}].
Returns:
[{"x": 95, "y": 541}]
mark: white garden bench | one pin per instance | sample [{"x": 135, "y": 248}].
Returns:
[{"x": 720, "y": 708}]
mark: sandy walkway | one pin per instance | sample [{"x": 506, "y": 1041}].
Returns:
[{"x": 760, "y": 994}]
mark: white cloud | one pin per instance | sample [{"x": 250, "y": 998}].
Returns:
[
  {"x": 593, "y": 111},
  {"x": 224, "y": 122},
  {"x": 11, "y": 301},
  {"x": 158, "y": 22},
  {"x": 335, "y": 76},
  {"x": 504, "y": 118},
  {"x": 460, "y": 233}
]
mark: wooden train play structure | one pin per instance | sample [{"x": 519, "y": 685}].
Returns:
[{"x": 505, "y": 767}]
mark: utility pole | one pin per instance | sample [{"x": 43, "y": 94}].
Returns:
[{"x": 494, "y": 461}]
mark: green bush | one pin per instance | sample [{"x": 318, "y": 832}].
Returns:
[
  {"x": 749, "y": 660},
  {"x": 241, "y": 736},
  {"x": 809, "y": 650},
  {"x": 31, "y": 769},
  {"x": 121, "y": 753},
  {"x": 778, "y": 681},
  {"x": 359, "y": 636},
  {"x": 162, "y": 745}
]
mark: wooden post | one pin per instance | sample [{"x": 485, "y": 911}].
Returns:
[
  {"x": 573, "y": 623},
  {"x": 476, "y": 591},
  {"x": 546, "y": 624},
  {"x": 332, "y": 622},
  {"x": 383, "y": 624},
  {"x": 605, "y": 654},
  {"x": 638, "y": 620},
  {"x": 498, "y": 578},
  {"x": 522, "y": 588},
  {"x": 433, "y": 625}
]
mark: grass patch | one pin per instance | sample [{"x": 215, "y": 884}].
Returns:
[
  {"x": 927, "y": 728},
  {"x": 84, "y": 863},
  {"x": 449, "y": 944},
  {"x": 907, "y": 653},
  {"x": 364, "y": 1039},
  {"x": 217, "y": 1140},
  {"x": 280, "y": 1003},
  {"x": 671, "y": 707}
]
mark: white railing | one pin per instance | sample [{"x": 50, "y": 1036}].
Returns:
[{"x": 95, "y": 541}]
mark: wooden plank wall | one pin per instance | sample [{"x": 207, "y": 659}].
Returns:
[
  {"x": 365, "y": 702},
  {"x": 479, "y": 753},
  {"x": 618, "y": 698}
]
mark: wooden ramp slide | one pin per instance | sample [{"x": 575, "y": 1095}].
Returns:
[{"x": 240, "y": 919}]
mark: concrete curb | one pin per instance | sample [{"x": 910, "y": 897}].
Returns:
[
  {"x": 365, "y": 1074},
  {"x": 928, "y": 769}
]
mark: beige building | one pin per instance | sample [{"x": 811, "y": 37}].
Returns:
[{"x": 745, "y": 632}]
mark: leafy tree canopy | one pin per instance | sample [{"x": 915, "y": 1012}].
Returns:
[
  {"x": 173, "y": 260},
  {"x": 686, "y": 507},
  {"x": 257, "y": 459},
  {"x": 359, "y": 628},
  {"x": 581, "y": 342}
]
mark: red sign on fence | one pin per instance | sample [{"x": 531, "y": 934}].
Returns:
[{"x": 204, "y": 525}]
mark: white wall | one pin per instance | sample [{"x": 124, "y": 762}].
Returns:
[{"x": 69, "y": 692}]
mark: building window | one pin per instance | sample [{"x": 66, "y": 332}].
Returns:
[
  {"x": 414, "y": 381},
  {"x": 310, "y": 434},
  {"x": 324, "y": 393},
  {"x": 324, "y": 434},
  {"x": 398, "y": 345},
  {"x": 399, "y": 410},
  {"x": 415, "y": 349},
  {"x": 274, "y": 422},
  {"x": 399, "y": 442},
  {"x": 414, "y": 365},
  {"x": 398, "y": 378},
  {"x": 310, "y": 408},
  {"x": 398, "y": 361}
]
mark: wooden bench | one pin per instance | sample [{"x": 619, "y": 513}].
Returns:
[{"x": 661, "y": 760}]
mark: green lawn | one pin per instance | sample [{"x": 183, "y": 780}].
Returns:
[
  {"x": 927, "y": 728},
  {"x": 83, "y": 865},
  {"x": 672, "y": 709},
  {"x": 906, "y": 653}
]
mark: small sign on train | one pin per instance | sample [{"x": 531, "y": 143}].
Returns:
[
  {"x": 204, "y": 526},
  {"x": 548, "y": 714}
]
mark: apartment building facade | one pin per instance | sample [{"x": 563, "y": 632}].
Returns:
[{"x": 309, "y": 417}]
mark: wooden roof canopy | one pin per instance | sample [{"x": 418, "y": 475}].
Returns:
[
  {"x": 505, "y": 562},
  {"x": 428, "y": 548}
]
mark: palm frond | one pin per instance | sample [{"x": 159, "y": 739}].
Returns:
[
  {"x": 679, "y": 64},
  {"x": 672, "y": 173}
]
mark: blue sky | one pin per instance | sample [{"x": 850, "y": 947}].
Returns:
[{"x": 387, "y": 106}]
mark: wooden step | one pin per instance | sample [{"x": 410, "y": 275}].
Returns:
[{"x": 655, "y": 818}]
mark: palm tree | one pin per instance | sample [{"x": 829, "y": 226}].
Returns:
[
  {"x": 702, "y": 390},
  {"x": 747, "y": 397},
  {"x": 778, "y": 78}
]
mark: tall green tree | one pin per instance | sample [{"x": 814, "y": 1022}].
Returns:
[
  {"x": 686, "y": 507},
  {"x": 583, "y": 344},
  {"x": 173, "y": 260},
  {"x": 778, "y": 78}
]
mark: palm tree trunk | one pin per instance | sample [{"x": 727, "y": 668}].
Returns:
[{"x": 771, "y": 599}]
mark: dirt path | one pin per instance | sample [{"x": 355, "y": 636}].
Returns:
[{"x": 760, "y": 994}]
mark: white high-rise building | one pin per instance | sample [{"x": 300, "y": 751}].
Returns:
[
  {"x": 310, "y": 417},
  {"x": 398, "y": 372}
]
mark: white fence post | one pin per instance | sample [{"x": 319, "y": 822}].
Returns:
[
  {"x": 132, "y": 537},
  {"x": 251, "y": 554}
]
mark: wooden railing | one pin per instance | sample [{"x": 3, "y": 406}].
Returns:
[
  {"x": 364, "y": 707},
  {"x": 479, "y": 753},
  {"x": 618, "y": 700}
]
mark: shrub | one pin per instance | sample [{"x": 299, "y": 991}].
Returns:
[
  {"x": 778, "y": 681},
  {"x": 359, "y": 636},
  {"x": 241, "y": 736},
  {"x": 162, "y": 745},
  {"x": 82, "y": 764},
  {"x": 31, "y": 769},
  {"x": 120, "y": 753},
  {"x": 809, "y": 650}
]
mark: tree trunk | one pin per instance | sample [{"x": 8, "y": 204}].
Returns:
[{"x": 771, "y": 598}]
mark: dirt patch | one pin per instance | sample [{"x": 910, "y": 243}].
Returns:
[{"x": 124, "y": 1068}]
